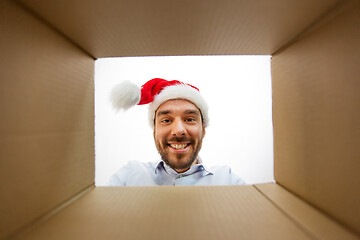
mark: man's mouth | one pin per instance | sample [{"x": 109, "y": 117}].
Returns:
[{"x": 179, "y": 146}]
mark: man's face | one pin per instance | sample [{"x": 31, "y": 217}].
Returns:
[{"x": 178, "y": 133}]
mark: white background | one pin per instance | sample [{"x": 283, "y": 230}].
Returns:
[{"x": 238, "y": 92}]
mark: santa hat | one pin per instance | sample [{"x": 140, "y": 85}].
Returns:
[{"x": 155, "y": 92}]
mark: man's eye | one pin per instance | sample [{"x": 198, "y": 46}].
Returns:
[
  {"x": 190, "y": 119},
  {"x": 165, "y": 121}
]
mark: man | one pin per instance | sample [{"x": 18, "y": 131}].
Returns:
[{"x": 179, "y": 116}]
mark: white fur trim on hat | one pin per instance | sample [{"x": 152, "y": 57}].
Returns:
[
  {"x": 180, "y": 91},
  {"x": 125, "y": 95}
]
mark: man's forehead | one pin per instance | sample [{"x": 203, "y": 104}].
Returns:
[{"x": 177, "y": 105}]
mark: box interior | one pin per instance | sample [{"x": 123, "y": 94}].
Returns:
[{"x": 47, "y": 132}]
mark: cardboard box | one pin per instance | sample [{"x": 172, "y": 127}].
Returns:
[{"x": 48, "y": 50}]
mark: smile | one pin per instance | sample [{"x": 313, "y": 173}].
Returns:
[{"x": 179, "y": 146}]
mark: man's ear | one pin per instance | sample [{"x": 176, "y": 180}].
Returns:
[{"x": 204, "y": 131}]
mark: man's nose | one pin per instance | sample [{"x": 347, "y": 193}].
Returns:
[{"x": 178, "y": 128}]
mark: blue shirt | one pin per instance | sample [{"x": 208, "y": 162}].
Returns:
[{"x": 137, "y": 173}]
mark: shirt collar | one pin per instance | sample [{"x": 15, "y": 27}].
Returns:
[
  {"x": 159, "y": 164},
  {"x": 197, "y": 167}
]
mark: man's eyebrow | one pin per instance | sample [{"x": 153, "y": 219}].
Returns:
[
  {"x": 164, "y": 112},
  {"x": 192, "y": 111},
  {"x": 188, "y": 111}
]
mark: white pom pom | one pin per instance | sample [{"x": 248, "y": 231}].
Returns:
[{"x": 125, "y": 95}]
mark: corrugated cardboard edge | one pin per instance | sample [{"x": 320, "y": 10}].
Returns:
[
  {"x": 43, "y": 218},
  {"x": 304, "y": 215}
]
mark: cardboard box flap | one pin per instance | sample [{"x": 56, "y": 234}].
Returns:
[
  {"x": 161, "y": 27},
  {"x": 47, "y": 119},
  {"x": 230, "y": 212},
  {"x": 316, "y": 104},
  {"x": 319, "y": 225}
]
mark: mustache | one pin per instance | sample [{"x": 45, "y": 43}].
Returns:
[{"x": 180, "y": 139}]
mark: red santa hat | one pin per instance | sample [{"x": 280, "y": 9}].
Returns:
[{"x": 155, "y": 92}]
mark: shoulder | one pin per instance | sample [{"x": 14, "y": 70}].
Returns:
[
  {"x": 220, "y": 169},
  {"x": 131, "y": 168},
  {"x": 226, "y": 173},
  {"x": 134, "y": 165}
]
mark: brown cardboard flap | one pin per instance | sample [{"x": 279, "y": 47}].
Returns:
[
  {"x": 229, "y": 212},
  {"x": 310, "y": 219},
  {"x": 46, "y": 130},
  {"x": 316, "y": 102},
  {"x": 160, "y": 27}
]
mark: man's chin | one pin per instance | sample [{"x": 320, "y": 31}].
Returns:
[
  {"x": 179, "y": 164},
  {"x": 178, "y": 160}
]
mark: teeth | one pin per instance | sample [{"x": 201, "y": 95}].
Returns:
[{"x": 178, "y": 146}]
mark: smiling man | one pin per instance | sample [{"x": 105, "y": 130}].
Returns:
[
  {"x": 178, "y": 115},
  {"x": 178, "y": 133}
]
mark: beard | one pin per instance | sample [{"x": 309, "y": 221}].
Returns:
[{"x": 178, "y": 160}]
